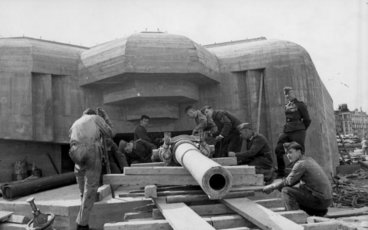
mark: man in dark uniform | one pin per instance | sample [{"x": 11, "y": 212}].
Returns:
[
  {"x": 297, "y": 122},
  {"x": 258, "y": 152},
  {"x": 227, "y": 135},
  {"x": 139, "y": 151},
  {"x": 140, "y": 131},
  {"x": 314, "y": 193}
]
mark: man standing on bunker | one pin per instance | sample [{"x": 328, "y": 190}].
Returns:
[{"x": 297, "y": 123}]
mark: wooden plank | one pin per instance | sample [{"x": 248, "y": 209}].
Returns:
[
  {"x": 270, "y": 203},
  {"x": 18, "y": 219},
  {"x": 260, "y": 216},
  {"x": 181, "y": 217},
  {"x": 297, "y": 216},
  {"x": 221, "y": 209},
  {"x": 226, "y": 161},
  {"x": 148, "y": 164},
  {"x": 4, "y": 215},
  {"x": 332, "y": 225},
  {"x": 102, "y": 192},
  {"x": 12, "y": 226},
  {"x": 202, "y": 210},
  {"x": 138, "y": 225},
  {"x": 218, "y": 222},
  {"x": 194, "y": 198},
  {"x": 237, "y": 228},
  {"x": 138, "y": 180},
  {"x": 230, "y": 221},
  {"x": 175, "y": 170},
  {"x": 136, "y": 215},
  {"x": 345, "y": 213}
]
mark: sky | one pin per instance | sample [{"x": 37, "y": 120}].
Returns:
[{"x": 334, "y": 32}]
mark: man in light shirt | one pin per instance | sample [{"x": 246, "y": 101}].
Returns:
[{"x": 86, "y": 143}]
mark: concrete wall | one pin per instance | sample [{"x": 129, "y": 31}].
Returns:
[
  {"x": 284, "y": 64},
  {"x": 33, "y": 152},
  {"x": 45, "y": 86}
]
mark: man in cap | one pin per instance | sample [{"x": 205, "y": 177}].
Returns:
[
  {"x": 86, "y": 146},
  {"x": 139, "y": 151},
  {"x": 227, "y": 135},
  {"x": 297, "y": 122},
  {"x": 314, "y": 193},
  {"x": 257, "y": 153}
]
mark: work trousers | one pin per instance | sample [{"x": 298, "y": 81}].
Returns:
[
  {"x": 299, "y": 198},
  {"x": 231, "y": 143},
  {"x": 297, "y": 136},
  {"x": 88, "y": 177}
]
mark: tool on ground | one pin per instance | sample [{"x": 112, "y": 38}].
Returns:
[{"x": 40, "y": 220}]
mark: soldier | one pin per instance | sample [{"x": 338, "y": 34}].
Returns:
[
  {"x": 227, "y": 135},
  {"x": 313, "y": 193},
  {"x": 257, "y": 153},
  {"x": 297, "y": 122},
  {"x": 139, "y": 151},
  {"x": 86, "y": 146},
  {"x": 200, "y": 119},
  {"x": 141, "y": 131}
]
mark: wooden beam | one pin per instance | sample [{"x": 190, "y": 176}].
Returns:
[
  {"x": 102, "y": 192},
  {"x": 218, "y": 222},
  {"x": 178, "y": 170},
  {"x": 332, "y": 225},
  {"x": 138, "y": 225},
  {"x": 194, "y": 198},
  {"x": 224, "y": 161},
  {"x": 137, "y": 180},
  {"x": 237, "y": 228},
  {"x": 260, "y": 216},
  {"x": 12, "y": 226},
  {"x": 4, "y": 215},
  {"x": 270, "y": 203},
  {"x": 221, "y": 209},
  {"x": 297, "y": 216},
  {"x": 152, "y": 164},
  {"x": 136, "y": 215},
  {"x": 346, "y": 213},
  {"x": 18, "y": 219},
  {"x": 181, "y": 217}
]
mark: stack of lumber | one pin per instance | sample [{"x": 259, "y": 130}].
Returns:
[
  {"x": 141, "y": 175},
  {"x": 238, "y": 212},
  {"x": 179, "y": 203}
]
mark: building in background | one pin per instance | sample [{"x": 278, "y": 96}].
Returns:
[
  {"x": 343, "y": 120},
  {"x": 351, "y": 122},
  {"x": 359, "y": 122}
]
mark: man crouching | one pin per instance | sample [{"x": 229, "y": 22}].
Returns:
[
  {"x": 86, "y": 143},
  {"x": 314, "y": 194}
]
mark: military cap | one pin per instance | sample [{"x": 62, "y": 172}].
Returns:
[
  {"x": 245, "y": 126},
  {"x": 287, "y": 89},
  {"x": 293, "y": 145}
]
